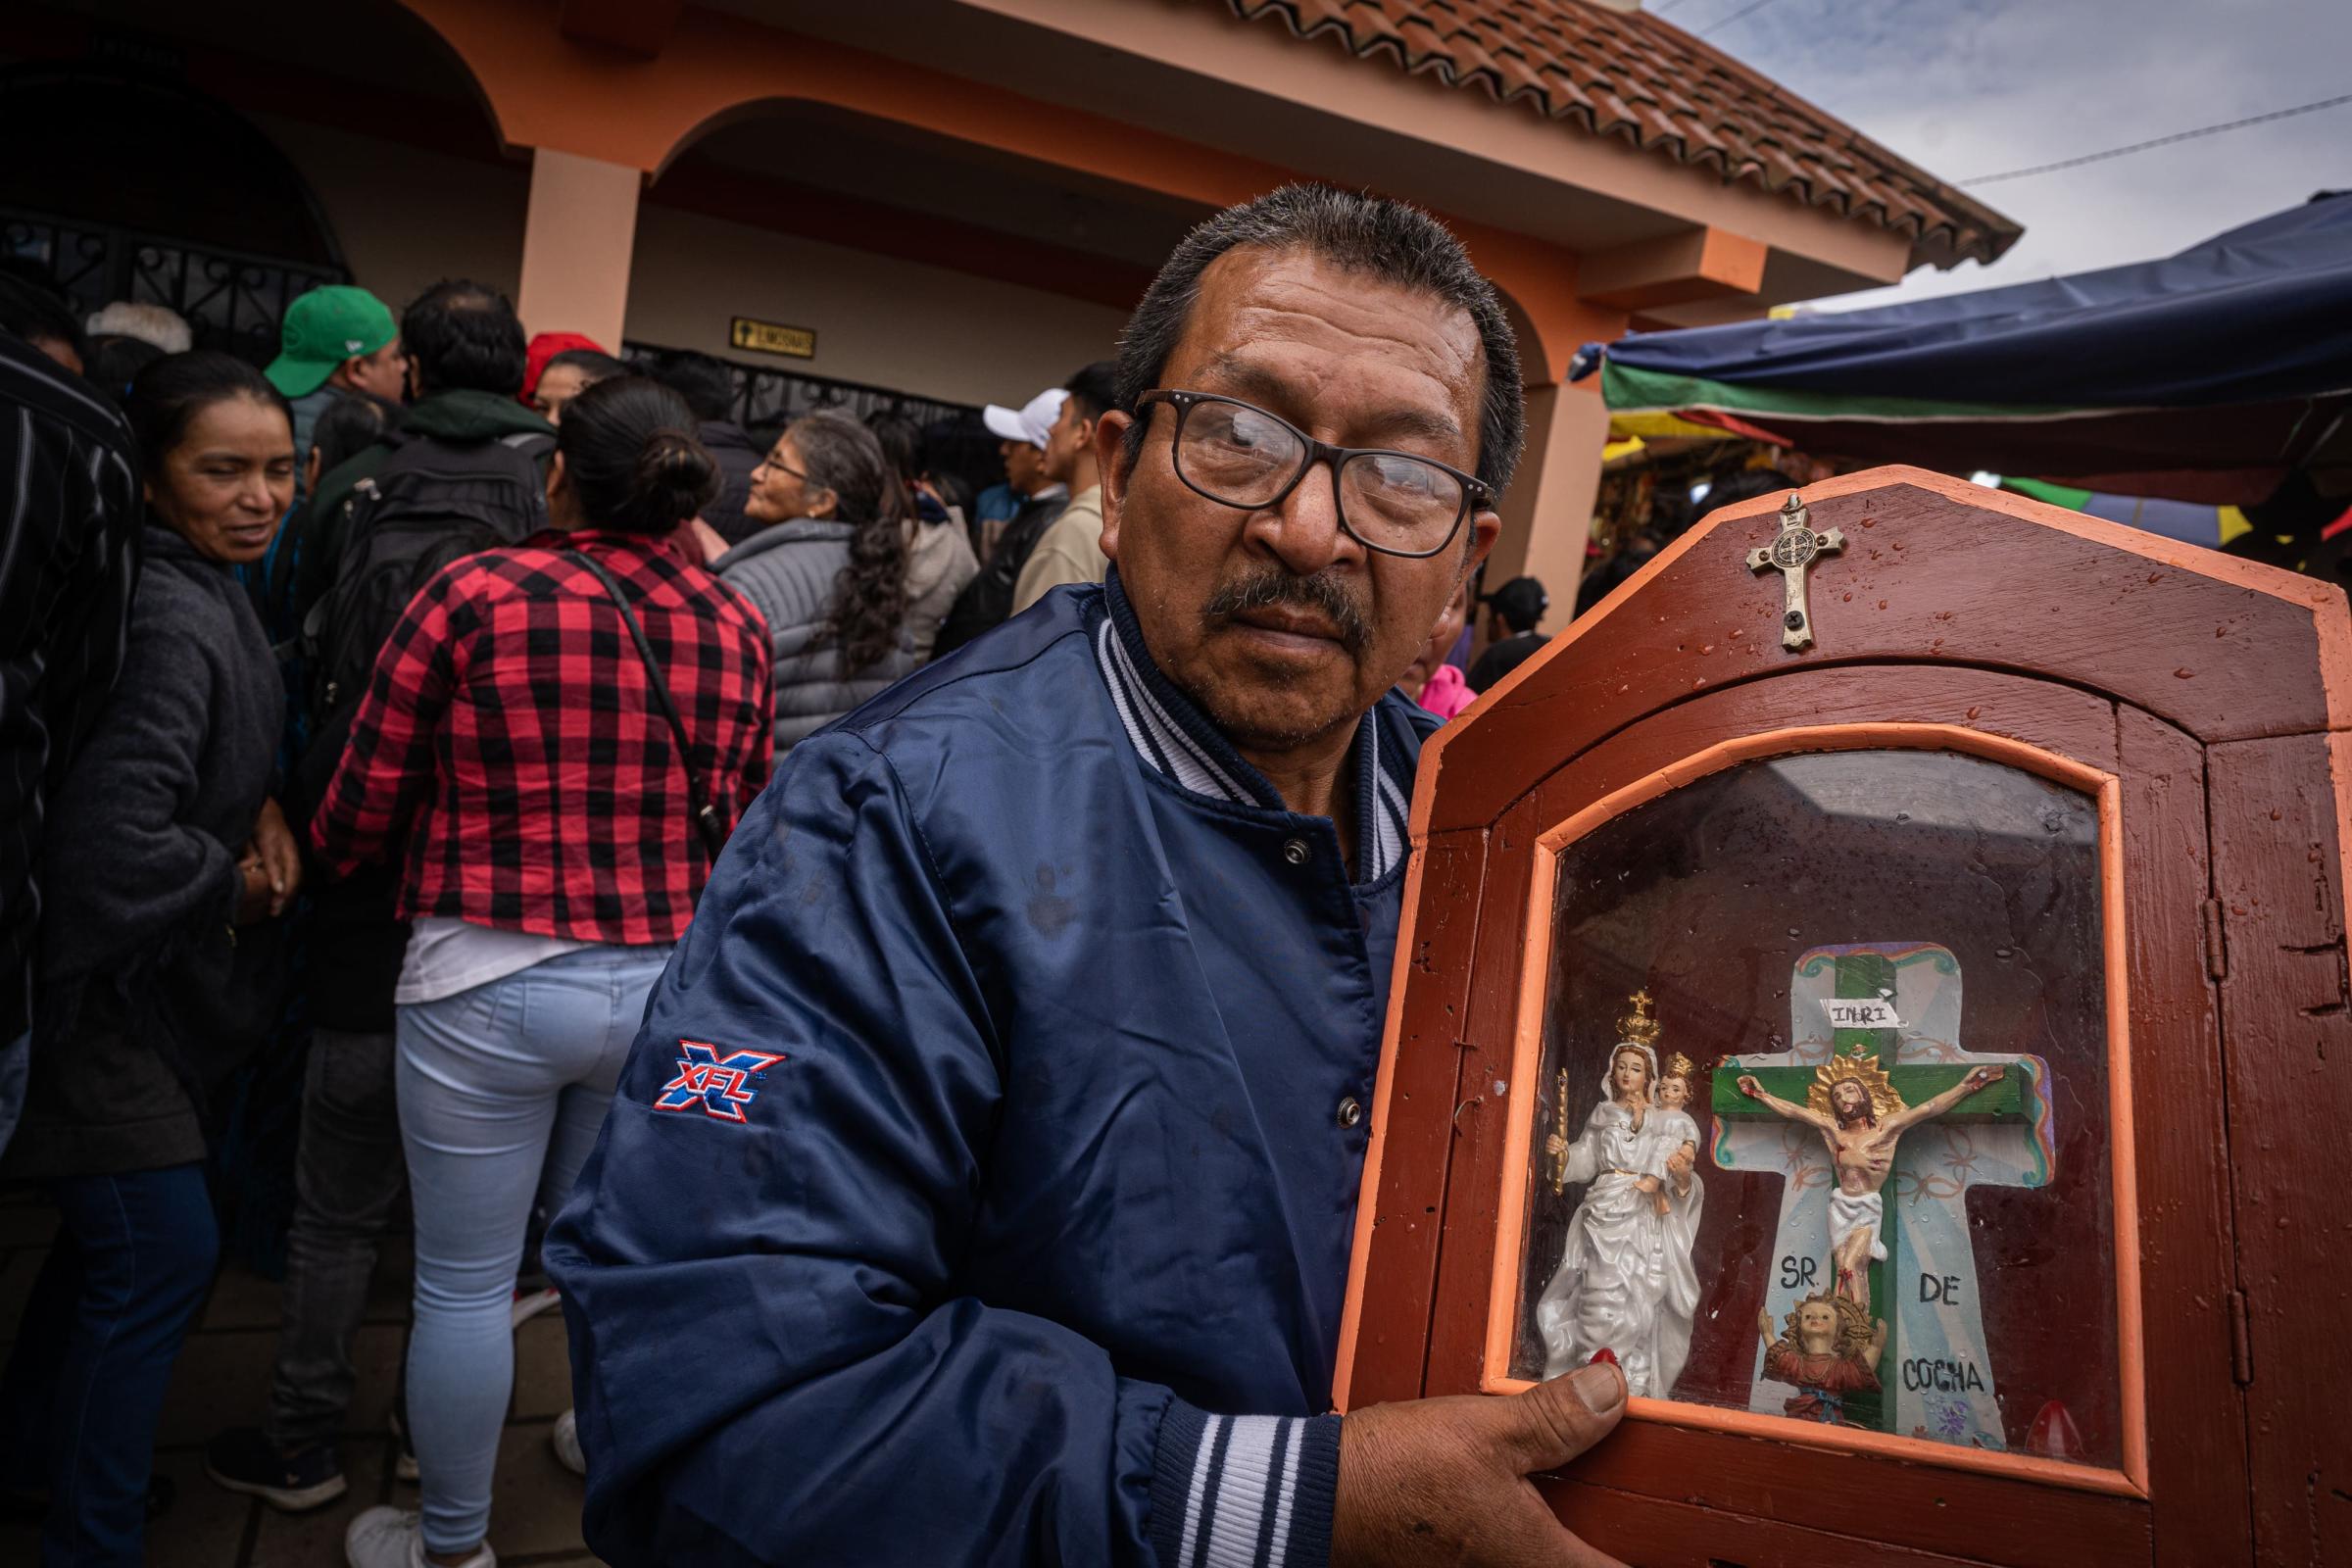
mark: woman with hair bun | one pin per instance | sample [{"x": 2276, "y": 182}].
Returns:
[
  {"x": 555, "y": 739},
  {"x": 169, "y": 864}
]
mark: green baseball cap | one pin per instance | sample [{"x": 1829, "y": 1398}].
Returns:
[{"x": 324, "y": 328}]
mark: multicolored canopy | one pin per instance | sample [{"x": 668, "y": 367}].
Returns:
[
  {"x": 2206, "y": 377},
  {"x": 2189, "y": 521}
]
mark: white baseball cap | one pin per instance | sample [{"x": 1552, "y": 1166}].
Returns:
[{"x": 1030, "y": 422}]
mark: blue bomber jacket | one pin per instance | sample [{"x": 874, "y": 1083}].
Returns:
[{"x": 981, "y": 1185}]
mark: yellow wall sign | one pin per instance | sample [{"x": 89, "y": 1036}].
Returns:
[{"x": 773, "y": 337}]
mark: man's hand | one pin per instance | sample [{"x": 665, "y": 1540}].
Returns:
[
  {"x": 1444, "y": 1481},
  {"x": 280, "y": 856},
  {"x": 1749, "y": 1087},
  {"x": 1980, "y": 1077},
  {"x": 252, "y": 892}
]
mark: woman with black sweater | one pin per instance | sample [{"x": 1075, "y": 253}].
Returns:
[{"x": 169, "y": 866}]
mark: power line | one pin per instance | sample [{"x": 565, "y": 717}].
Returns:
[
  {"x": 2160, "y": 141},
  {"x": 1747, "y": 10}
]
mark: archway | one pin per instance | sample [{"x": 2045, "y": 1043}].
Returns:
[{"x": 152, "y": 191}]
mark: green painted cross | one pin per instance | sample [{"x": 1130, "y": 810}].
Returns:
[{"x": 1866, "y": 974}]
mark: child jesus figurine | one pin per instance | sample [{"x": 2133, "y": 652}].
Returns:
[{"x": 1674, "y": 1116}]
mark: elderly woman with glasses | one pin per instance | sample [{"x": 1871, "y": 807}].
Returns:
[{"x": 828, "y": 569}]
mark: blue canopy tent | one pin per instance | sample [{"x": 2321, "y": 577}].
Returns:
[{"x": 2207, "y": 377}]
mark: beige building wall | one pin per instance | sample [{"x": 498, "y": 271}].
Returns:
[
  {"x": 880, "y": 321},
  {"x": 407, "y": 218}
]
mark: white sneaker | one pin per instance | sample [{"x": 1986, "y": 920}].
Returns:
[
  {"x": 529, "y": 1304},
  {"x": 566, "y": 1440},
  {"x": 394, "y": 1538},
  {"x": 404, "y": 1468}
]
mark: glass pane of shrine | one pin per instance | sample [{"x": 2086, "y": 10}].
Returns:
[{"x": 1825, "y": 1049}]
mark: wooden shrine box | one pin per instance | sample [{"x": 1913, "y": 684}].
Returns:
[{"x": 2041, "y": 793}]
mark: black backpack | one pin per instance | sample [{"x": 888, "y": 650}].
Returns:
[
  {"x": 433, "y": 502},
  {"x": 986, "y": 601}
]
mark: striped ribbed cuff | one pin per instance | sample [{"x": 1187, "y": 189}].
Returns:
[{"x": 1243, "y": 1491}]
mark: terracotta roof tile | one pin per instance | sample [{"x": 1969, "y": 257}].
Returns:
[{"x": 1640, "y": 79}]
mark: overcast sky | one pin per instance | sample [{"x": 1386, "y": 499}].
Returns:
[{"x": 1967, "y": 87}]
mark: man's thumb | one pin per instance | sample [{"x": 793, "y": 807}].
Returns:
[{"x": 1553, "y": 1422}]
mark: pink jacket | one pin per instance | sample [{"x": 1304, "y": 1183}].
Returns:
[{"x": 1447, "y": 692}]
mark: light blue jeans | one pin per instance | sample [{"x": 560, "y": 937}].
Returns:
[{"x": 502, "y": 1091}]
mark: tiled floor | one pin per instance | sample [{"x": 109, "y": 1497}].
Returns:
[{"x": 223, "y": 1380}]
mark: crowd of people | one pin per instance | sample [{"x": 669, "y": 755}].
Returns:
[{"x": 435, "y": 664}]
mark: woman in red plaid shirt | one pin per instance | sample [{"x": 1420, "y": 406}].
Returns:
[{"x": 514, "y": 750}]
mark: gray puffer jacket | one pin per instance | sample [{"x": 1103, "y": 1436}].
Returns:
[{"x": 789, "y": 571}]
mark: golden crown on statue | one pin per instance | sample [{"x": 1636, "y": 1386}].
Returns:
[
  {"x": 1640, "y": 1026},
  {"x": 1679, "y": 1066}
]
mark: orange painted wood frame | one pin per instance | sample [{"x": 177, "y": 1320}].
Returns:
[{"x": 1527, "y": 1057}]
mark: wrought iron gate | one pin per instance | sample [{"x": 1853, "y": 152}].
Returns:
[
  {"x": 766, "y": 396},
  {"x": 230, "y": 299}
]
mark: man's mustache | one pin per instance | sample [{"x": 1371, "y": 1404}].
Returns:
[{"x": 1321, "y": 593}]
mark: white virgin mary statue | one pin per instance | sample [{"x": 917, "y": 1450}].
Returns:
[{"x": 1626, "y": 1283}]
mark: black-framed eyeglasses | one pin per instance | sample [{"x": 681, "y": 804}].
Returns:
[{"x": 1238, "y": 454}]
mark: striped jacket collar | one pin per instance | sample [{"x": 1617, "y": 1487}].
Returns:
[{"x": 1175, "y": 739}]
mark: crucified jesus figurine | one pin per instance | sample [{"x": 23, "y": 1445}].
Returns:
[{"x": 1862, "y": 1147}]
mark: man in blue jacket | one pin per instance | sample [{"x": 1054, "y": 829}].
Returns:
[{"x": 981, "y": 1187}]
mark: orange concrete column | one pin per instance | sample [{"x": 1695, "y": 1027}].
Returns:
[
  {"x": 577, "y": 239},
  {"x": 1547, "y": 512}
]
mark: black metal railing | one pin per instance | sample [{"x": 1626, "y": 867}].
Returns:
[
  {"x": 769, "y": 396},
  {"x": 230, "y": 299},
  {"x": 234, "y": 301}
]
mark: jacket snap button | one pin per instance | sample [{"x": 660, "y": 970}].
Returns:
[
  {"x": 1296, "y": 851},
  {"x": 1350, "y": 1112}
]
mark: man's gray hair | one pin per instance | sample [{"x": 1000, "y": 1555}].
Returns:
[
  {"x": 149, "y": 324},
  {"x": 1385, "y": 240}
]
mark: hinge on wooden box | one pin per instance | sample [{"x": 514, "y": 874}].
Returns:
[
  {"x": 2241, "y": 1340},
  {"x": 2217, "y": 954}
]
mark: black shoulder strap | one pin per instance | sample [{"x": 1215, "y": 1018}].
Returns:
[{"x": 706, "y": 824}]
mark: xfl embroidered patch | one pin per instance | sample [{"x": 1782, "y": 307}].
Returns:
[{"x": 715, "y": 1085}]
